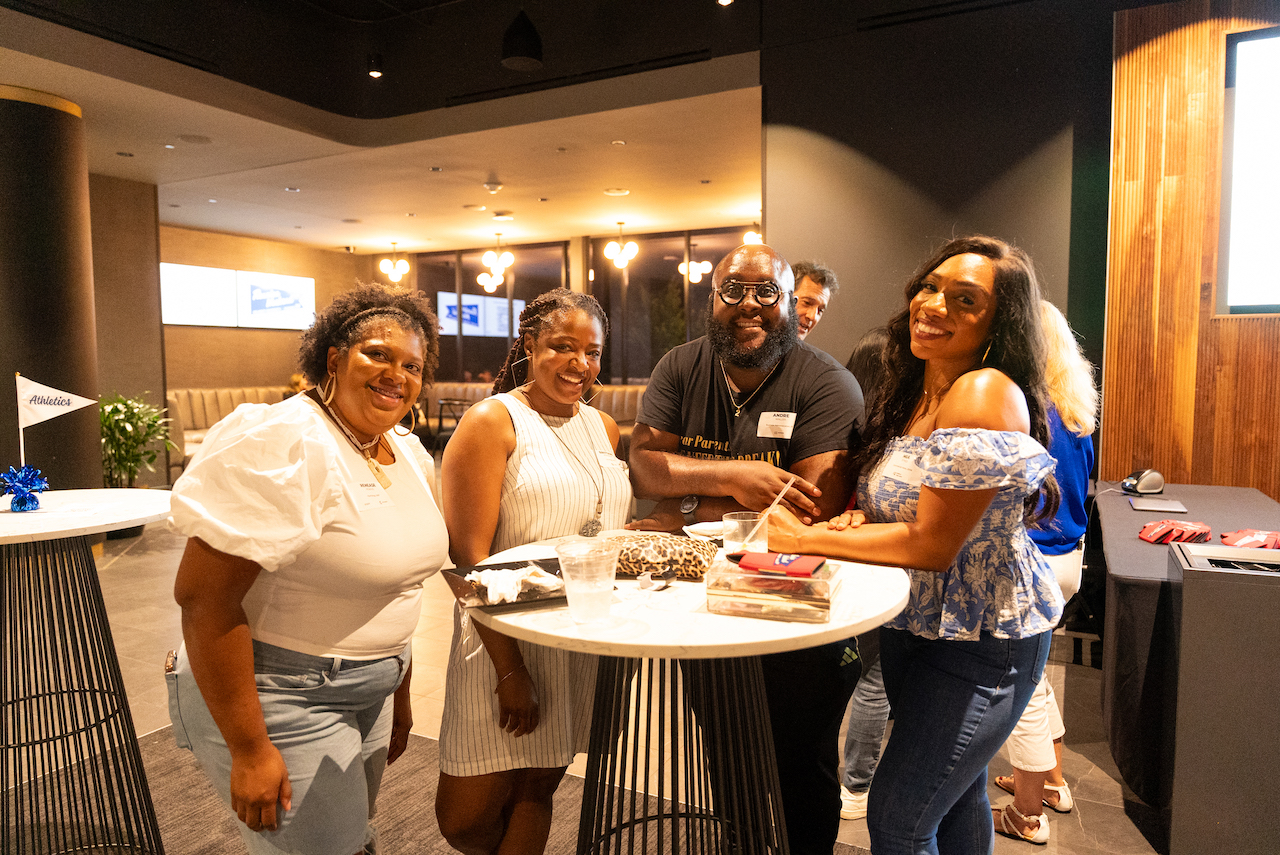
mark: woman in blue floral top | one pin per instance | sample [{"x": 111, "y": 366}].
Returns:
[{"x": 953, "y": 465}]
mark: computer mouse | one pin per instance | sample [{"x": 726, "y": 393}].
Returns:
[{"x": 1143, "y": 482}]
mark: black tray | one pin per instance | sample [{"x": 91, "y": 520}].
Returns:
[{"x": 527, "y": 599}]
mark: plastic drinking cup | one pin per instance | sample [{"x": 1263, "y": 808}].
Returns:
[
  {"x": 588, "y": 567},
  {"x": 737, "y": 526}
]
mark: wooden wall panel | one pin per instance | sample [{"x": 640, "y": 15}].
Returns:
[{"x": 1194, "y": 395}]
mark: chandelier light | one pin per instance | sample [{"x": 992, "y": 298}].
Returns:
[
  {"x": 395, "y": 268},
  {"x": 695, "y": 270},
  {"x": 620, "y": 253},
  {"x": 497, "y": 260},
  {"x": 754, "y": 236}
]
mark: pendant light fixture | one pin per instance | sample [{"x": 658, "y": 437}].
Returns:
[
  {"x": 695, "y": 270},
  {"x": 394, "y": 268},
  {"x": 754, "y": 236},
  {"x": 620, "y": 253},
  {"x": 497, "y": 261},
  {"x": 522, "y": 45}
]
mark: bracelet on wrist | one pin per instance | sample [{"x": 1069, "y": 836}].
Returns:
[{"x": 519, "y": 667}]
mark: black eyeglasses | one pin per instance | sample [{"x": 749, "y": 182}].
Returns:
[{"x": 733, "y": 292}]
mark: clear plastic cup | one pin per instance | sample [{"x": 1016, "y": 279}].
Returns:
[
  {"x": 588, "y": 567},
  {"x": 737, "y": 526}
]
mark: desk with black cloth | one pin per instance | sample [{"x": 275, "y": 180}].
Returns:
[{"x": 1143, "y": 626}]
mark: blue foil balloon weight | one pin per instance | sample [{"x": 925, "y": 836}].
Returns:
[{"x": 24, "y": 484}]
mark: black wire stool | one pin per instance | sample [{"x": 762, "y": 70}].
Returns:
[
  {"x": 70, "y": 772},
  {"x": 681, "y": 760}
]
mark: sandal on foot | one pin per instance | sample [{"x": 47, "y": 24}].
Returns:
[
  {"x": 1006, "y": 827},
  {"x": 1065, "y": 801}
]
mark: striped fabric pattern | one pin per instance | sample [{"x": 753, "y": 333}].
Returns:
[{"x": 545, "y": 493}]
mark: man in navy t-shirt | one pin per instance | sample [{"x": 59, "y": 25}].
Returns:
[{"x": 725, "y": 421}]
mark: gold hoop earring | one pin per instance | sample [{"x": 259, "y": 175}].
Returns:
[
  {"x": 987, "y": 353},
  {"x": 326, "y": 394},
  {"x": 413, "y": 425}
]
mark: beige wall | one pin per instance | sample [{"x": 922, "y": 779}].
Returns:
[
  {"x": 126, "y": 287},
  {"x": 206, "y": 357}
]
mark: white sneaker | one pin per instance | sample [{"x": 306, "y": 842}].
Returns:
[{"x": 852, "y": 805}]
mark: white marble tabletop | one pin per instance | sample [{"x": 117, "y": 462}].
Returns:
[
  {"x": 674, "y": 623},
  {"x": 70, "y": 513}
]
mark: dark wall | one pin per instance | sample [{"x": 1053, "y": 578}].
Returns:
[{"x": 887, "y": 134}]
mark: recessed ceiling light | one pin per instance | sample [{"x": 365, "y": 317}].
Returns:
[
  {"x": 297, "y": 227},
  {"x": 616, "y": 191},
  {"x": 172, "y": 205},
  {"x": 706, "y": 181},
  {"x": 411, "y": 214},
  {"x": 725, "y": 2},
  {"x": 436, "y": 168},
  {"x": 169, "y": 145},
  {"x": 350, "y": 221},
  {"x": 619, "y": 142},
  {"x": 474, "y": 208},
  {"x": 124, "y": 154},
  {"x": 213, "y": 201},
  {"x": 293, "y": 189},
  {"x": 503, "y": 215},
  {"x": 543, "y": 199},
  {"x": 195, "y": 139}
]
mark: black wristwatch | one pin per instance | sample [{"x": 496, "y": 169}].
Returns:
[{"x": 689, "y": 507}]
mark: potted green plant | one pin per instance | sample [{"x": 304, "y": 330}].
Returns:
[{"x": 133, "y": 435}]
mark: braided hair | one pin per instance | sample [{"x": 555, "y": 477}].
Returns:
[
  {"x": 1018, "y": 349},
  {"x": 539, "y": 314},
  {"x": 350, "y": 316}
]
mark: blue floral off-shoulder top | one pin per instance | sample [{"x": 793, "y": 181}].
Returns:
[{"x": 998, "y": 582}]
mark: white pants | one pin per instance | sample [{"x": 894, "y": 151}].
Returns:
[{"x": 1031, "y": 743}]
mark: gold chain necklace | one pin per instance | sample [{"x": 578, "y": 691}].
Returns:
[
  {"x": 591, "y": 527},
  {"x": 737, "y": 408},
  {"x": 364, "y": 448}
]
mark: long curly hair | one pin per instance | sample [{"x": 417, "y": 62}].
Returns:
[
  {"x": 348, "y": 318},
  {"x": 1018, "y": 349},
  {"x": 538, "y": 315}
]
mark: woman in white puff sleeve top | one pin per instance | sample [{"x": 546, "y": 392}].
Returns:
[
  {"x": 954, "y": 466},
  {"x": 312, "y": 526}
]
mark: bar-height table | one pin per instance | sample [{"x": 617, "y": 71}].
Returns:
[
  {"x": 71, "y": 775},
  {"x": 681, "y": 753}
]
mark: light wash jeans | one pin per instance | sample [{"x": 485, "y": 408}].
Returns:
[
  {"x": 331, "y": 721},
  {"x": 954, "y": 703},
  {"x": 868, "y": 716}
]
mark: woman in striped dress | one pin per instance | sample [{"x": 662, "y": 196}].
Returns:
[{"x": 532, "y": 462}]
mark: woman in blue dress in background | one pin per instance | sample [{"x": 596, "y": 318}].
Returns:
[{"x": 954, "y": 465}]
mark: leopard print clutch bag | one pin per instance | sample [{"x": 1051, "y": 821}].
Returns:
[{"x": 658, "y": 553}]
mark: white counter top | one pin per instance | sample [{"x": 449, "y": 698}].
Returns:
[{"x": 70, "y": 513}]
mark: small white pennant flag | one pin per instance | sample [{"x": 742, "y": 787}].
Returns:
[{"x": 38, "y": 403}]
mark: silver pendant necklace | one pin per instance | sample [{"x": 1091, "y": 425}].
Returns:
[
  {"x": 364, "y": 448},
  {"x": 591, "y": 527}
]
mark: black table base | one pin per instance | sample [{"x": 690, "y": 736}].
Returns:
[
  {"x": 681, "y": 760},
  {"x": 70, "y": 770}
]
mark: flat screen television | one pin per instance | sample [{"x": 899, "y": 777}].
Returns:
[{"x": 1249, "y": 225}]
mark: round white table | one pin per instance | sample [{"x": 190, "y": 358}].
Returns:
[
  {"x": 657, "y": 777},
  {"x": 70, "y": 772}
]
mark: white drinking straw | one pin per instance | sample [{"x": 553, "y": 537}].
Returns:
[{"x": 764, "y": 516}]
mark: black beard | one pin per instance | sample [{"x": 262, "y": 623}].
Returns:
[{"x": 777, "y": 342}]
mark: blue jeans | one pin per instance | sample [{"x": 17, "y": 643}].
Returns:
[
  {"x": 331, "y": 721},
  {"x": 868, "y": 715},
  {"x": 954, "y": 704}
]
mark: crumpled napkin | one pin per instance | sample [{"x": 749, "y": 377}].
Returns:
[{"x": 504, "y": 586}]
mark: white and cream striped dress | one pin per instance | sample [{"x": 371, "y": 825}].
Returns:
[{"x": 545, "y": 493}]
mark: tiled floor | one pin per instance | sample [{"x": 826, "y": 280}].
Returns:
[{"x": 137, "y": 582}]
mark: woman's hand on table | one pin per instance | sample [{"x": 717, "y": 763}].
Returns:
[
  {"x": 518, "y": 711},
  {"x": 848, "y": 519},
  {"x": 260, "y": 780}
]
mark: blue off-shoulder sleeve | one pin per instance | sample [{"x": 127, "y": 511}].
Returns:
[{"x": 979, "y": 459}]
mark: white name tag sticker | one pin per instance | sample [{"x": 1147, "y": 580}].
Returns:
[
  {"x": 902, "y": 467},
  {"x": 608, "y": 458},
  {"x": 776, "y": 425},
  {"x": 368, "y": 494}
]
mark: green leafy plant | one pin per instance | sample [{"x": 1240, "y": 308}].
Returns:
[{"x": 131, "y": 431}]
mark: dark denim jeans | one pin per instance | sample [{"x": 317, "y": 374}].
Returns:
[{"x": 954, "y": 704}]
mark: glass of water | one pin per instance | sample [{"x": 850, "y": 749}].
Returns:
[{"x": 588, "y": 567}]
